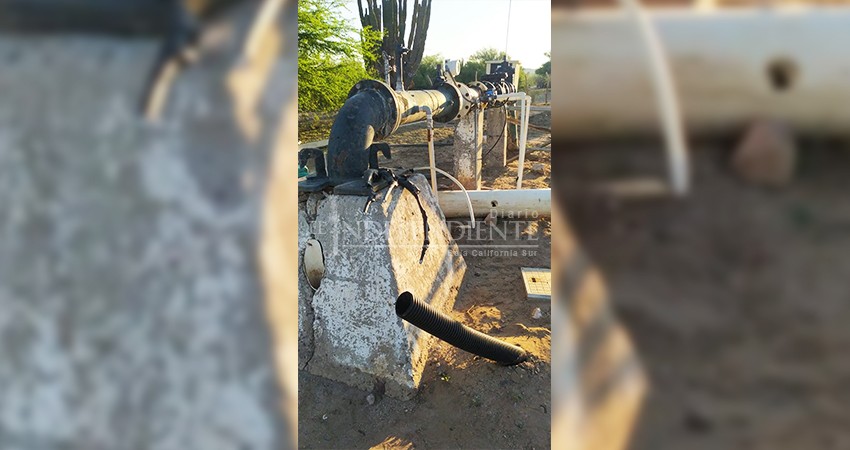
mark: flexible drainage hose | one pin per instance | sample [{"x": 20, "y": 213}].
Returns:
[{"x": 444, "y": 327}]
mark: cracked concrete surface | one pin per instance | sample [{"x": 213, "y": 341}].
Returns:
[
  {"x": 348, "y": 329},
  {"x": 131, "y": 303}
]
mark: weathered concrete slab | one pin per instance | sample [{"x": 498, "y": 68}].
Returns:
[
  {"x": 370, "y": 259},
  {"x": 132, "y": 303}
]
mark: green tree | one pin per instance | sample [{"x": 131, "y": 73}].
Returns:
[
  {"x": 531, "y": 80},
  {"x": 546, "y": 68},
  {"x": 488, "y": 54},
  {"x": 390, "y": 16},
  {"x": 522, "y": 84},
  {"x": 544, "y": 81},
  {"x": 544, "y": 73},
  {"x": 471, "y": 71},
  {"x": 475, "y": 67},
  {"x": 427, "y": 73},
  {"x": 330, "y": 55}
]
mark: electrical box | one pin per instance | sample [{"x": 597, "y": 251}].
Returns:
[{"x": 453, "y": 66}]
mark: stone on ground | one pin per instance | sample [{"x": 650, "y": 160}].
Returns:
[{"x": 766, "y": 155}]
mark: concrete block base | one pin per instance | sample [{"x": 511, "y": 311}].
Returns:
[
  {"x": 495, "y": 138},
  {"x": 348, "y": 329},
  {"x": 468, "y": 142}
]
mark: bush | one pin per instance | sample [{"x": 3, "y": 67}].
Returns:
[
  {"x": 426, "y": 74},
  {"x": 323, "y": 84},
  {"x": 330, "y": 55},
  {"x": 474, "y": 68}
]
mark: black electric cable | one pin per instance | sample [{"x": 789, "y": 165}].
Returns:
[{"x": 502, "y": 133}]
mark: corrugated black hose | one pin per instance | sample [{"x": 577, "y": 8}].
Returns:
[{"x": 428, "y": 319}]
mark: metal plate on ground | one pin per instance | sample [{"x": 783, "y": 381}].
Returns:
[{"x": 538, "y": 283}]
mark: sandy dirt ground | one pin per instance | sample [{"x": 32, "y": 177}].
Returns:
[
  {"x": 464, "y": 401},
  {"x": 737, "y": 297}
]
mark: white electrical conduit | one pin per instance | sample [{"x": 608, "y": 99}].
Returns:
[
  {"x": 432, "y": 160},
  {"x": 525, "y": 111},
  {"x": 510, "y": 203},
  {"x": 266, "y": 14},
  {"x": 523, "y": 139},
  {"x": 665, "y": 97},
  {"x": 455, "y": 181}
]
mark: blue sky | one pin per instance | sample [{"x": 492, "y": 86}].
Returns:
[{"x": 461, "y": 27}]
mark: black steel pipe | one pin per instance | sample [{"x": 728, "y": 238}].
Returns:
[
  {"x": 374, "y": 111},
  {"x": 425, "y": 317},
  {"x": 363, "y": 116}
]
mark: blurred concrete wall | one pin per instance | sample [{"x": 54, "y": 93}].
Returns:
[{"x": 141, "y": 279}]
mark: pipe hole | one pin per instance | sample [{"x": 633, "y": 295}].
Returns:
[
  {"x": 782, "y": 73},
  {"x": 494, "y": 203},
  {"x": 403, "y": 303}
]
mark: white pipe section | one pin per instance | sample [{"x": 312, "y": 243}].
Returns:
[
  {"x": 263, "y": 20},
  {"x": 457, "y": 182},
  {"x": 525, "y": 111},
  {"x": 532, "y": 109},
  {"x": 516, "y": 203},
  {"x": 665, "y": 98},
  {"x": 731, "y": 66},
  {"x": 523, "y": 140}
]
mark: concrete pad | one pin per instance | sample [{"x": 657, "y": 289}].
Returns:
[{"x": 370, "y": 259}]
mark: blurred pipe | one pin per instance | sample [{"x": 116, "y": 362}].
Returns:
[
  {"x": 264, "y": 21},
  {"x": 159, "y": 88},
  {"x": 598, "y": 381},
  {"x": 665, "y": 99},
  {"x": 731, "y": 67}
]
